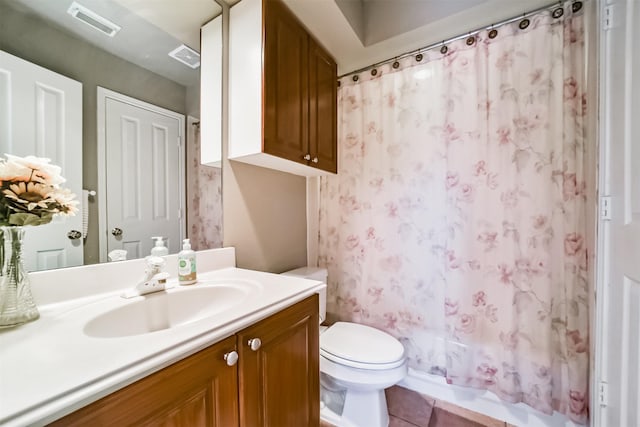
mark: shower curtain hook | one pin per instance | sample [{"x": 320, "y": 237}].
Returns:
[
  {"x": 493, "y": 32},
  {"x": 444, "y": 48}
]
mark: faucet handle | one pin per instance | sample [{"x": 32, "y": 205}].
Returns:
[{"x": 161, "y": 277}]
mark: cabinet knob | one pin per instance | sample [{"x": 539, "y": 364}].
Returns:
[
  {"x": 231, "y": 358},
  {"x": 307, "y": 156},
  {"x": 315, "y": 160},
  {"x": 254, "y": 343}
]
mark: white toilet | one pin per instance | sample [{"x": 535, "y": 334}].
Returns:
[{"x": 357, "y": 363}]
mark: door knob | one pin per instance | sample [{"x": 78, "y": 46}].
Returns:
[
  {"x": 315, "y": 160},
  {"x": 231, "y": 358},
  {"x": 254, "y": 343},
  {"x": 116, "y": 232},
  {"x": 74, "y": 235},
  {"x": 307, "y": 156}
]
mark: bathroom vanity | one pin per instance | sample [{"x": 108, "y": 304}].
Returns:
[{"x": 238, "y": 348}]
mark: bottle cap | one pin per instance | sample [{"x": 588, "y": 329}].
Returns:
[
  {"x": 186, "y": 245},
  {"x": 159, "y": 240}
]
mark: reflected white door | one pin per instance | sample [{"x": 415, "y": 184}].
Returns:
[
  {"x": 617, "y": 391},
  {"x": 41, "y": 115},
  {"x": 143, "y": 176}
]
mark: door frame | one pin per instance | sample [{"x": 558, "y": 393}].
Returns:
[
  {"x": 103, "y": 95},
  {"x": 599, "y": 399},
  {"x": 602, "y": 251}
]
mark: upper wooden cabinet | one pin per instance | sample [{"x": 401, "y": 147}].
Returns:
[{"x": 282, "y": 92}]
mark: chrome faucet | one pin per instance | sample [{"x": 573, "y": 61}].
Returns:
[{"x": 154, "y": 280}]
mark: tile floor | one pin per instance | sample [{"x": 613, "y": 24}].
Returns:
[{"x": 410, "y": 409}]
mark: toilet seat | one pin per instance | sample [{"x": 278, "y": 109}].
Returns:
[{"x": 360, "y": 346}]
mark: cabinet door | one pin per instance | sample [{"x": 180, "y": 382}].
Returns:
[
  {"x": 285, "y": 98},
  {"x": 323, "y": 87},
  {"x": 201, "y": 390},
  {"x": 279, "y": 381}
]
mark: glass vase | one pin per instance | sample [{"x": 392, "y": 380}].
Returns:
[{"x": 16, "y": 302}]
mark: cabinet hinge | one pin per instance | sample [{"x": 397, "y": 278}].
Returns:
[
  {"x": 179, "y": 213},
  {"x": 609, "y": 17},
  {"x": 603, "y": 391},
  {"x": 605, "y": 208}
]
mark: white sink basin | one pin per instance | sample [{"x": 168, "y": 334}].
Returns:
[{"x": 168, "y": 309}]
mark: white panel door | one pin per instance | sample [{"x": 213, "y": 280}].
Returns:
[
  {"x": 142, "y": 178},
  {"x": 617, "y": 394},
  {"x": 41, "y": 115}
]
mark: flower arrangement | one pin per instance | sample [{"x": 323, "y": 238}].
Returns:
[{"x": 31, "y": 193}]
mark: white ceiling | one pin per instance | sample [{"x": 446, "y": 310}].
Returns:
[
  {"x": 150, "y": 29},
  {"x": 397, "y": 34},
  {"x": 371, "y": 31},
  {"x": 181, "y": 19},
  {"x": 377, "y": 20}
]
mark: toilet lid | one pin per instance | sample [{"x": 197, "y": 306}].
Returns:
[{"x": 351, "y": 342}]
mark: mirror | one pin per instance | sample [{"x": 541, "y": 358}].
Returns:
[{"x": 125, "y": 184}]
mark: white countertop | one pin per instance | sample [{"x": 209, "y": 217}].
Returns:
[{"x": 51, "y": 367}]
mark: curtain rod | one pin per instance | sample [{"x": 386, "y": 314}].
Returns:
[{"x": 576, "y": 5}]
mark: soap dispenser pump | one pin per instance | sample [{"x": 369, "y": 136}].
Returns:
[
  {"x": 159, "y": 249},
  {"x": 186, "y": 264}
]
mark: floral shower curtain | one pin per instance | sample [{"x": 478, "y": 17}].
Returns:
[
  {"x": 457, "y": 221},
  {"x": 204, "y": 197}
]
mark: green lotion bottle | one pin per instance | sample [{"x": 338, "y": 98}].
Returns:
[{"x": 186, "y": 264}]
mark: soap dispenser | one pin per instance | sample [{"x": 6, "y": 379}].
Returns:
[
  {"x": 186, "y": 264},
  {"x": 159, "y": 249}
]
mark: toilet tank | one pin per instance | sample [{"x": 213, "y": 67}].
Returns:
[{"x": 314, "y": 273}]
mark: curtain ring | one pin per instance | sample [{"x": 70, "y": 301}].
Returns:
[
  {"x": 524, "y": 24},
  {"x": 557, "y": 13},
  {"x": 471, "y": 40},
  {"x": 493, "y": 33},
  {"x": 444, "y": 49},
  {"x": 576, "y": 6},
  {"x": 395, "y": 64},
  {"x": 419, "y": 57},
  {"x": 355, "y": 78},
  {"x": 374, "y": 72}
]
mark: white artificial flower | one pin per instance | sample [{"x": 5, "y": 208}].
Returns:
[
  {"x": 43, "y": 172},
  {"x": 14, "y": 172},
  {"x": 64, "y": 198}
]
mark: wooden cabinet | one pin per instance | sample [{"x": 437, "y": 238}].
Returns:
[
  {"x": 323, "y": 108},
  {"x": 200, "y": 390},
  {"x": 289, "y": 87},
  {"x": 274, "y": 383},
  {"x": 279, "y": 381}
]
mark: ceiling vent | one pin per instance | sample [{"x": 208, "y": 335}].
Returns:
[
  {"x": 186, "y": 55},
  {"x": 92, "y": 19}
]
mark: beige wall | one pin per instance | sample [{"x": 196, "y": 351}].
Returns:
[
  {"x": 264, "y": 211},
  {"x": 32, "y": 39}
]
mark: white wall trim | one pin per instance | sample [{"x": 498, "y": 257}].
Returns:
[
  {"x": 482, "y": 401},
  {"x": 103, "y": 95}
]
